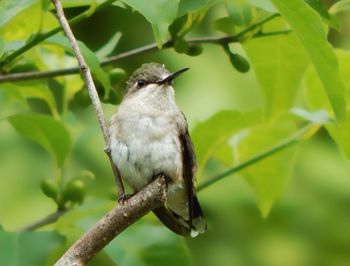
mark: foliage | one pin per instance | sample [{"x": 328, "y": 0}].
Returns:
[{"x": 263, "y": 70}]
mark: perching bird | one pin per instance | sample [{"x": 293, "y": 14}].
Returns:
[{"x": 149, "y": 137}]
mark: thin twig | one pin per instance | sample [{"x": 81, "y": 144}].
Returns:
[
  {"x": 114, "y": 222},
  {"x": 283, "y": 145},
  {"x": 14, "y": 77},
  {"x": 84, "y": 70},
  {"x": 49, "y": 219}
]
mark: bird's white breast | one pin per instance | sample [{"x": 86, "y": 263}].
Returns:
[{"x": 145, "y": 142}]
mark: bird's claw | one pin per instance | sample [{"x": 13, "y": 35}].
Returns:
[{"x": 123, "y": 198}]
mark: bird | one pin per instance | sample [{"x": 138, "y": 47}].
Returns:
[{"x": 149, "y": 137}]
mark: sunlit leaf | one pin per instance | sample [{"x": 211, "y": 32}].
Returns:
[
  {"x": 27, "y": 248},
  {"x": 321, "y": 54},
  {"x": 14, "y": 19},
  {"x": 240, "y": 12},
  {"x": 340, "y": 131},
  {"x": 160, "y": 13},
  {"x": 268, "y": 177},
  {"x": 186, "y": 6},
  {"x": 321, "y": 9},
  {"x": 91, "y": 59},
  {"x": 340, "y": 6},
  {"x": 30, "y": 90},
  {"x": 226, "y": 25},
  {"x": 108, "y": 48},
  {"x": 320, "y": 117},
  {"x": 263, "y": 4},
  {"x": 279, "y": 63},
  {"x": 2, "y": 46},
  {"x": 46, "y": 131},
  {"x": 209, "y": 135}
]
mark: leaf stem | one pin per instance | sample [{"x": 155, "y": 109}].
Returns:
[
  {"x": 41, "y": 37},
  {"x": 283, "y": 145}
]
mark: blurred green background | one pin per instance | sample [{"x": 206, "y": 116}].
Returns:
[{"x": 308, "y": 225}]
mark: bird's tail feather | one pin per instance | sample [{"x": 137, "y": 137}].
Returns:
[
  {"x": 180, "y": 226},
  {"x": 172, "y": 221},
  {"x": 199, "y": 225}
]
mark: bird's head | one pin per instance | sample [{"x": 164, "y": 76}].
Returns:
[{"x": 151, "y": 77}]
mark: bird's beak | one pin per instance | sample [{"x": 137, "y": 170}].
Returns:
[{"x": 172, "y": 76}]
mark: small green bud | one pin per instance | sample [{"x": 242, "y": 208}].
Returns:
[
  {"x": 239, "y": 62},
  {"x": 181, "y": 46},
  {"x": 74, "y": 191},
  {"x": 194, "y": 50},
  {"x": 49, "y": 188}
]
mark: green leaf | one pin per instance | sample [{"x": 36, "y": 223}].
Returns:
[
  {"x": 330, "y": 19},
  {"x": 240, "y": 12},
  {"x": 320, "y": 117},
  {"x": 14, "y": 19},
  {"x": 146, "y": 245},
  {"x": 10, "y": 9},
  {"x": 45, "y": 4},
  {"x": 30, "y": 90},
  {"x": 278, "y": 71},
  {"x": 316, "y": 98},
  {"x": 91, "y": 59},
  {"x": 46, "y": 131},
  {"x": 209, "y": 135},
  {"x": 341, "y": 136},
  {"x": 268, "y": 177},
  {"x": 108, "y": 48},
  {"x": 2, "y": 46},
  {"x": 321, "y": 54},
  {"x": 263, "y": 4},
  {"x": 96, "y": 69},
  {"x": 226, "y": 25},
  {"x": 160, "y": 13},
  {"x": 28, "y": 248},
  {"x": 186, "y": 6},
  {"x": 340, "y": 6}
]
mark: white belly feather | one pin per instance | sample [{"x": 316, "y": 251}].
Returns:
[{"x": 145, "y": 142}]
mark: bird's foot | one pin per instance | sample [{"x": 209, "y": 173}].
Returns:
[
  {"x": 167, "y": 178},
  {"x": 123, "y": 198}
]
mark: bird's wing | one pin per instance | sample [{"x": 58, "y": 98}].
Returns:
[{"x": 188, "y": 168}]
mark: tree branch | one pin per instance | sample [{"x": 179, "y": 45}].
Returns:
[
  {"x": 84, "y": 70},
  {"x": 114, "y": 222},
  {"x": 49, "y": 219},
  {"x": 14, "y": 77}
]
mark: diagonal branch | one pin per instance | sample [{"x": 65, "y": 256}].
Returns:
[
  {"x": 84, "y": 70},
  {"x": 114, "y": 222}
]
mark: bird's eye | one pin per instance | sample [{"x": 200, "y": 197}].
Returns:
[{"x": 141, "y": 83}]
